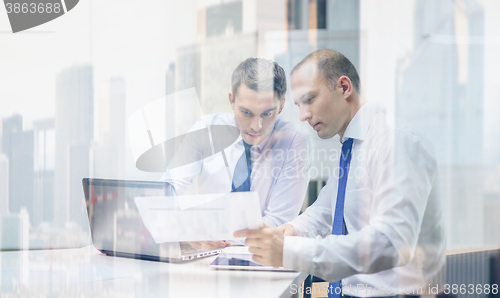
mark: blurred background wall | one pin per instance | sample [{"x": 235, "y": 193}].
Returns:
[{"x": 68, "y": 87}]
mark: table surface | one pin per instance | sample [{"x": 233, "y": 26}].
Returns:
[{"x": 85, "y": 272}]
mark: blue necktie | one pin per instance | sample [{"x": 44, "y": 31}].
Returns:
[
  {"x": 334, "y": 289},
  {"x": 243, "y": 171}
]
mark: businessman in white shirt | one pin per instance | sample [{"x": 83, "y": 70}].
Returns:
[
  {"x": 269, "y": 157},
  {"x": 387, "y": 236}
]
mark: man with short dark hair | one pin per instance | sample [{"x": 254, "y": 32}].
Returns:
[
  {"x": 387, "y": 236},
  {"x": 270, "y": 156}
]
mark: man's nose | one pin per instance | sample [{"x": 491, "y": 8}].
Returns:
[
  {"x": 256, "y": 123},
  {"x": 304, "y": 113}
]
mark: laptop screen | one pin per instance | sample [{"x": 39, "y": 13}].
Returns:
[{"x": 115, "y": 222}]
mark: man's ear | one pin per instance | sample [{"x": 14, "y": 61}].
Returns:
[
  {"x": 231, "y": 100},
  {"x": 346, "y": 86},
  {"x": 282, "y": 105}
]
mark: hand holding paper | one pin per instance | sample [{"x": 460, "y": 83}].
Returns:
[{"x": 200, "y": 217}]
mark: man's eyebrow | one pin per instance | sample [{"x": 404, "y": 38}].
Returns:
[
  {"x": 245, "y": 109},
  {"x": 269, "y": 110},
  {"x": 308, "y": 94},
  {"x": 266, "y": 111}
]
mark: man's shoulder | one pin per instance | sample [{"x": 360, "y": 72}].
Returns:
[
  {"x": 398, "y": 133},
  {"x": 288, "y": 135},
  {"x": 290, "y": 128},
  {"x": 383, "y": 127}
]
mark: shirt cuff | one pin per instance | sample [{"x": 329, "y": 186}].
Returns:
[
  {"x": 300, "y": 226},
  {"x": 295, "y": 226},
  {"x": 297, "y": 253}
]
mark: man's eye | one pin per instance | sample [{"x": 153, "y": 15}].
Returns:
[
  {"x": 246, "y": 112},
  {"x": 267, "y": 114},
  {"x": 310, "y": 99}
]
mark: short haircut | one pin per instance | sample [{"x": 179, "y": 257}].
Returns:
[
  {"x": 259, "y": 74},
  {"x": 332, "y": 65}
]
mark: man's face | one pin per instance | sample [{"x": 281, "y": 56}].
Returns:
[
  {"x": 255, "y": 113},
  {"x": 327, "y": 111}
]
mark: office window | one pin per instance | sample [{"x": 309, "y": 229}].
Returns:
[
  {"x": 317, "y": 14},
  {"x": 225, "y": 18},
  {"x": 294, "y": 14}
]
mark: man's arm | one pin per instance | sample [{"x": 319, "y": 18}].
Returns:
[
  {"x": 403, "y": 177},
  {"x": 288, "y": 193},
  {"x": 182, "y": 177},
  {"x": 193, "y": 148},
  {"x": 317, "y": 219}
]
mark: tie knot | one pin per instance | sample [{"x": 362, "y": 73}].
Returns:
[
  {"x": 248, "y": 153},
  {"x": 347, "y": 142},
  {"x": 347, "y": 146},
  {"x": 247, "y": 146}
]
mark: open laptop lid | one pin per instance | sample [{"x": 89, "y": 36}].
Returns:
[{"x": 116, "y": 225}]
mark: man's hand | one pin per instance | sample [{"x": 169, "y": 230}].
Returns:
[
  {"x": 288, "y": 230},
  {"x": 266, "y": 244},
  {"x": 209, "y": 245}
]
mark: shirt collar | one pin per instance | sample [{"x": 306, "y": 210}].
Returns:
[{"x": 360, "y": 123}]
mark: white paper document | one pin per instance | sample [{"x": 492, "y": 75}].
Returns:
[{"x": 199, "y": 217}]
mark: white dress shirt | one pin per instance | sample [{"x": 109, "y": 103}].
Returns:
[
  {"x": 392, "y": 212},
  {"x": 280, "y": 169}
]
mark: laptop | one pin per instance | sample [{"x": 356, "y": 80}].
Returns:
[{"x": 117, "y": 228}]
